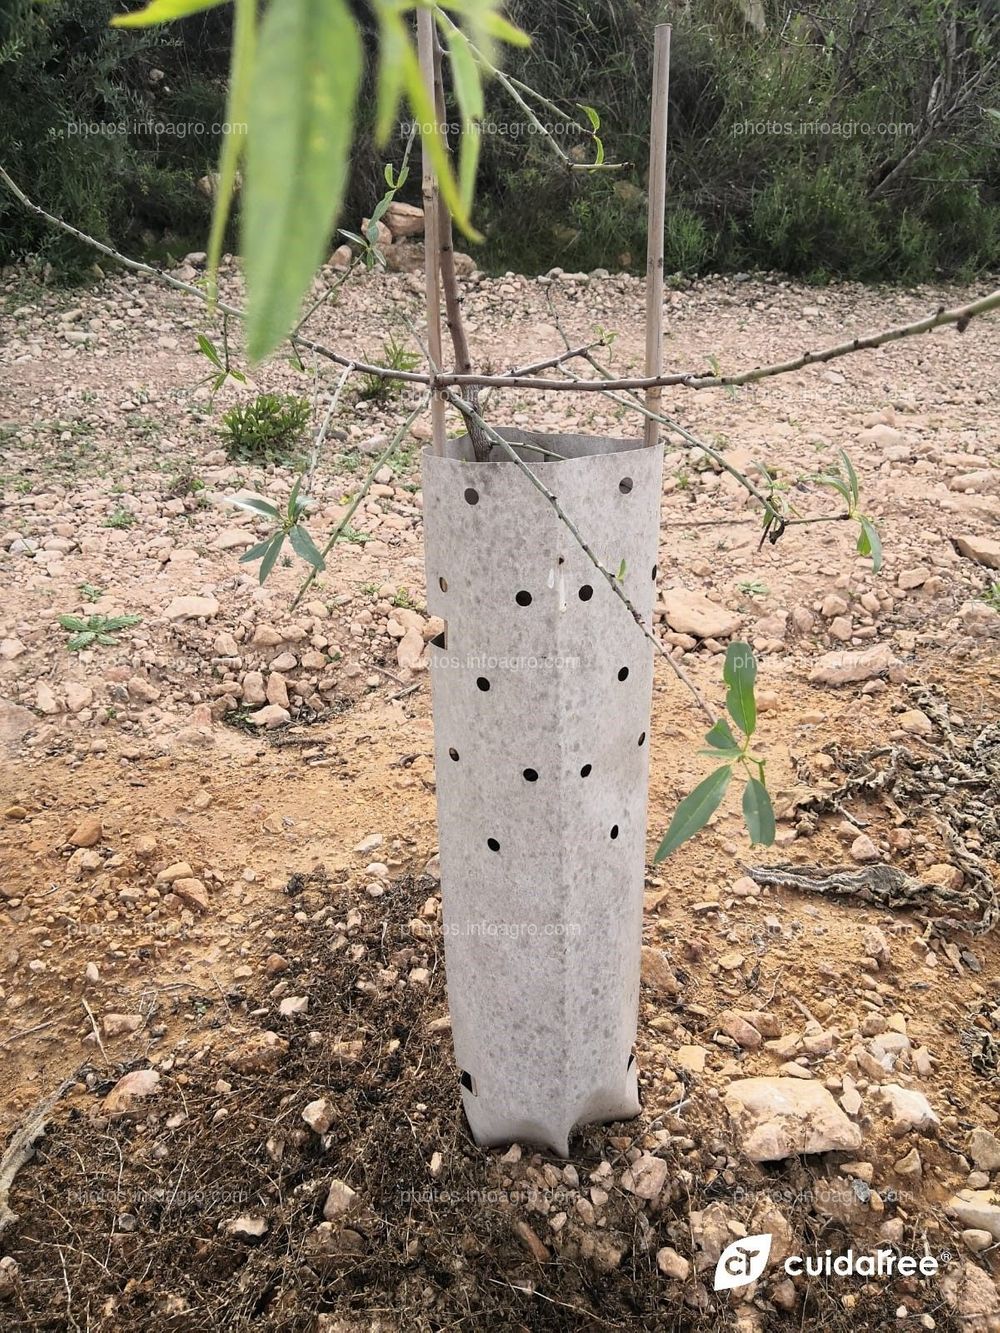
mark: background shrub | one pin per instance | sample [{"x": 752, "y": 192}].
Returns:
[{"x": 870, "y": 204}]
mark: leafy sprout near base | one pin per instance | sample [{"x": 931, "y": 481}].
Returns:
[
  {"x": 845, "y": 483},
  {"x": 288, "y": 525},
  {"x": 694, "y": 812},
  {"x": 95, "y": 630}
]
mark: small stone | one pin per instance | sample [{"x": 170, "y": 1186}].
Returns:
[
  {"x": 340, "y": 1200},
  {"x": 137, "y": 1084},
  {"x": 910, "y": 1109},
  {"x": 293, "y": 1005},
  {"x": 259, "y": 1054},
  {"x": 270, "y": 717},
  {"x": 177, "y": 870},
  {"x": 915, "y": 723},
  {"x": 119, "y": 1025},
  {"x": 984, "y": 1149},
  {"x": 248, "y": 1226},
  {"x": 781, "y": 1117},
  {"x": 976, "y": 1240},
  {"x": 864, "y": 850},
  {"x": 319, "y": 1114},
  {"x": 538, "y": 1250},
  {"x": 978, "y": 1209},
  {"x": 673, "y": 1265},
  {"x": 910, "y": 1165},
  {"x": 657, "y": 972},
  {"x": 689, "y": 612},
  {"x": 192, "y": 608},
  {"x": 192, "y": 892},
  {"x": 983, "y": 550},
  {"x": 646, "y": 1176},
  {"x": 846, "y": 668},
  {"x": 88, "y": 832}
]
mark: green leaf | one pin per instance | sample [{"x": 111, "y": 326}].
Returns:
[
  {"x": 720, "y": 737},
  {"x": 869, "y": 543},
  {"x": 695, "y": 811},
  {"x": 241, "y": 71},
  {"x": 468, "y": 86},
  {"x": 79, "y": 641},
  {"x": 497, "y": 26},
  {"x": 162, "y": 11},
  {"x": 740, "y": 673},
  {"x": 255, "y": 506},
  {"x": 121, "y": 622},
  {"x": 72, "y": 622},
  {"x": 437, "y": 149},
  {"x": 257, "y": 551},
  {"x": 620, "y": 576},
  {"x": 301, "y": 120},
  {"x": 108, "y": 640},
  {"x": 304, "y": 546},
  {"x": 592, "y": 116},
  {"x": 209, "y": 349},
  {"x": 271, "y": 555},
  {"x": 758, "y": 813},
  {"x": 838, "y": 485},
  {"x": 852, "y": 478}
]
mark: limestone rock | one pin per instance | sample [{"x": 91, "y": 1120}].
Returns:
[
  {"x": 780, "y": 1117},
  {"x": 693, "y": 613}
]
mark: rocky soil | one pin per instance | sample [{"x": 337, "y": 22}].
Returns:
[{"x": 222, "y": 950}]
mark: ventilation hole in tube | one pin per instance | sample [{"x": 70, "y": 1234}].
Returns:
[
  {"x": 468, "y": 1083},
  {"x": 453, "y": 754},
  {"x": 631, "y": 1062},
  {"x": 443, "y": 583},
  {"x": 441, "y": 640},
  {"x": 483, "y": 684},
  {"x": 614, "y": 832},
  {"x": 625, "y": 485},
  {"x": 586, "y": 592},
  {"x": 586, "y": 771},
  {"x": 623, "y": 674},
  {"x": 492, "y": 844},
  {"x": 642, "y": 738},
  {"x": 523, "y": 598},
  {"x": 530, "y": 775},
  {"x": 471, "y": 495},
  {"x": 656, "y": 570}
]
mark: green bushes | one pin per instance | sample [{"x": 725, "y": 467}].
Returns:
[
  {"x": 854, "y": 143},
  {"x": 108, "y": 129},
  {"x": 265, "y": 429}
]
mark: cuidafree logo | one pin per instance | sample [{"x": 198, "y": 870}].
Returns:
[
  {"x": 745, "y": 1259},
  {"x": 742, "y": 1262}
]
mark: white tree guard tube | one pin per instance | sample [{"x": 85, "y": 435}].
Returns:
[{"x": 542, "y": 685}]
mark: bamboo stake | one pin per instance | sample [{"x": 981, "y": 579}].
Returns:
[
  {"x": 432, "y": 255},
  {"x": 656, "y": 213}
]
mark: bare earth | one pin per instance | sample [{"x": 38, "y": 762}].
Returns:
[{"x": 300, "y": 855}]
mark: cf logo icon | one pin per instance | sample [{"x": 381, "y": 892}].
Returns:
[{"x": 742, "y": 1262}]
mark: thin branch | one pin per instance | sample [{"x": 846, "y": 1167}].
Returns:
[
  {"x": 345, "y": 519},
  {"x": 960, "y": 316},
  {"x": 581, "y": 541},
  {"x": 324, "y": 427}
]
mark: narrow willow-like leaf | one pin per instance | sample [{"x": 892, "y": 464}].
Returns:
[
  {"x": 720, "y": 736},
  {"x": 234, "y": 141},
  {"x": 423, "y": 109},
  {"x": 301, "y": 118},
  {"x": 209, "y": 349},
  {"x": 162, "y": 11},
  {"x": 869, "y": 543},
  {"x": 852, "y": 478},
  {"x": 695, "y": 811},
  {"x": 256, "y": 506},
  {"x": 739, "y": 673},
  {"x": 468, "y": 85},
  {"x": 72, "y": 622},
  {"x": 304, "y": 546},
  {"x": 758, "y": 813},
  {"x": 271, "y": 555},
  {"x": 256, "y": 552}
]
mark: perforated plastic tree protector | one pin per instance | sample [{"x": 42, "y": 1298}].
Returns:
[{"x": 542, "y": 686}]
